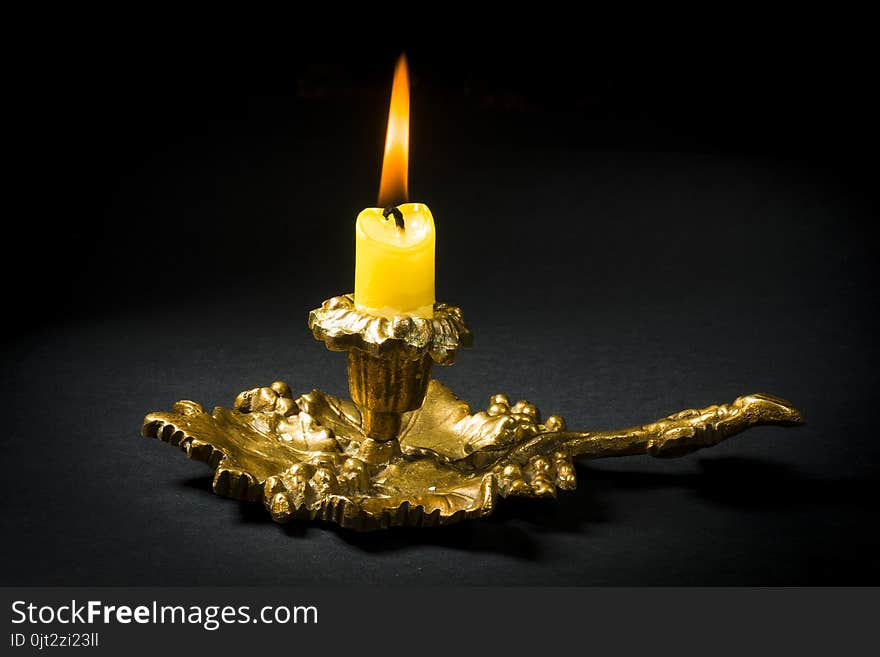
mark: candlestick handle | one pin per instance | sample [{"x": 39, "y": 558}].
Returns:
[{"x": 673, "y": 436}]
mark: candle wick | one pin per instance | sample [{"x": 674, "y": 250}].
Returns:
[{"x": 398, "y": 215}]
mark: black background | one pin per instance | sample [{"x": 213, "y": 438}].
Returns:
[{"x": 632, "y": 228}]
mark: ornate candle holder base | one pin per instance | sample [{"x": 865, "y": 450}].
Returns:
[{"x": 310, "y": 458}]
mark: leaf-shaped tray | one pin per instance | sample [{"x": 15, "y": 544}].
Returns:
[{"x": 307, "y": 458}]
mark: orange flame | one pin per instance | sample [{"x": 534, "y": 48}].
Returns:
[{"x": 394, "y": 186}]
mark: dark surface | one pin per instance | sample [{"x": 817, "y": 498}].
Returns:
[{"x": 625, "y": 243}]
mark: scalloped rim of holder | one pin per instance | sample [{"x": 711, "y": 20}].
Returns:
[{"x": 342, "y": 326}]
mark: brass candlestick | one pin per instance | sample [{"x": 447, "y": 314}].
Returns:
[{"x": 406, "y": 450}]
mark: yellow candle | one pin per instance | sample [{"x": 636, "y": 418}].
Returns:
[
  {"x": 394, "y": 261},
  {"x": 394, "y": 266}
]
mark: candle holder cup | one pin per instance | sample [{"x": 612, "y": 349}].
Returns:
[
  {"x": 389, "y": 358},
  {"x": 405, "y": 450}
]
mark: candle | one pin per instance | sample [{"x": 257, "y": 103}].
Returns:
[
  {"x": 394, "y": 266},
  {"x": 394, "y": 243}
]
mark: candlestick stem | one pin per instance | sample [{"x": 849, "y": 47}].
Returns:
[{"x": 385, "y": 386}]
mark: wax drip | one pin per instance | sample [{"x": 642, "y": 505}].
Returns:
[{"x": 398, "y": 215}]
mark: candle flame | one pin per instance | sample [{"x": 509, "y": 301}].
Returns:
[{"x": 394, "y": 186}]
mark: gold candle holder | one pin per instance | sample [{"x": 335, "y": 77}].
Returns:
[{"x": 405, "y": 450}]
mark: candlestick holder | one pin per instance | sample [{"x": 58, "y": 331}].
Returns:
[{"x": 405, "y": 450}]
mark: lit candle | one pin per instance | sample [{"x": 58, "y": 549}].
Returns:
[{"x": 394, "y": 254}]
